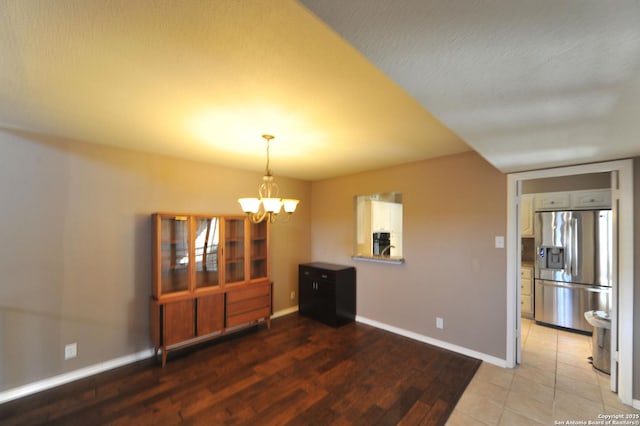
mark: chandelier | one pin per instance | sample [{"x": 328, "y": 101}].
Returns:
[{"x": 269, "y": 205}]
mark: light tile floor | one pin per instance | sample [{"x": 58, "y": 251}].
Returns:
[{"x": 554, "y": 384}]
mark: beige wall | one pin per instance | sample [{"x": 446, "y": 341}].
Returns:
[
  {"x": 75, "y": 255},
  {"x": 76, "y": 261},
  {"x": 567, "y": 183},
  {"x": 453, "y": 209}
]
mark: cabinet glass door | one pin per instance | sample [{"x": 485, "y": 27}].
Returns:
[
  {"x": 206, "y": 238},
  {"x": 234, "y": 250},
  {"x": 175, "y": 254},
  {"x": 259, "y": 257}
]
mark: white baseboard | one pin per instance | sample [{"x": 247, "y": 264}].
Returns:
[
  {"x": 284, "y": 312},
  {"x": 415, "y": 336},
  {"x": 435, "y": 342},
  {"x": 71, "y": 376},
  {"x": 81, "y": 373},
  {"x": 636, "y": 404}
]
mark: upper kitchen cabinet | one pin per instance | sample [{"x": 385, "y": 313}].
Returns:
[
  {"x": 552, "y": 201},
  {"x": 573, "y": 200},
  {"x": 593, "y": 199},
  {"x": 526, "y": 206}
]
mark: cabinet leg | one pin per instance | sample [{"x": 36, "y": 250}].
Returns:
[
  {"x": 164, "y": 357},
  {"x": 268, "y": 322}
]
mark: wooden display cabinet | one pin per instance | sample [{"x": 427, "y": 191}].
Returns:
[{"x": 210, "y": 273}]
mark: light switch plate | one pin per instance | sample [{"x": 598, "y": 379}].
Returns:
[{"x": 499, "y": 242}]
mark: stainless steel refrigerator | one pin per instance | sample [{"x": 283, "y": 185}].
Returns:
[{"x": 573, "y": 268}]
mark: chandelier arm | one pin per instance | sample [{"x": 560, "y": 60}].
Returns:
[{"x": 257, "y": 217}]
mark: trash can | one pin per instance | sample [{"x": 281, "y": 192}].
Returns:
[{"x": 601, "y": 340}]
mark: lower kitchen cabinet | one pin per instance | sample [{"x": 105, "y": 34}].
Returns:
[
  {"x": 327, "y": 292},
  {"x": 526, "y": 291}
]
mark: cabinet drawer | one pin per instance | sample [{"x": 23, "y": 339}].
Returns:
[
  {"x": 525, "y": 287},
  {"x": 552, "y": 201},
  {"x": 247, "y": 305},
  {"x": 526, "y": 272},
  {"x": 245, "y": 317},
  {"x": 591, "y": 199},
  {"x": 249, "y": 292},
  {"x": 317, "y": 274},
  {"x": 525, "y": 305}
]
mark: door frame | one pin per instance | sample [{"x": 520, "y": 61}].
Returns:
[{"x": 622, "y": 320}]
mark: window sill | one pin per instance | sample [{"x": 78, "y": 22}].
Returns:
[{"x": 379, "y": 259}]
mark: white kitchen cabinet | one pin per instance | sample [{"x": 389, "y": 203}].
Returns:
[
  {"x": 573, "y": 200},
  {"x": 526, "y": 293},
  {"x": 526, "y": 207},
  {"x": 387, "y": 217},
  {"x": 552, "y": 201},
  {"x": 592, "y": 199}
]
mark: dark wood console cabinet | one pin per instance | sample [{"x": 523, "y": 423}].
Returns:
[{"x": 327, "y": 292}]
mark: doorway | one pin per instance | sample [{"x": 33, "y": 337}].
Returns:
[{"x": 622, "y": 306}]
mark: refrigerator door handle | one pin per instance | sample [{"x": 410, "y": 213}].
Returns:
[{"x": 575, "y": 270}]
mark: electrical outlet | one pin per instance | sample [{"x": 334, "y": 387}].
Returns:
[
  {"x": 71, "y": 351},
  {"x": 439, "y": 323},
  {"x": 293, "y": 295}
]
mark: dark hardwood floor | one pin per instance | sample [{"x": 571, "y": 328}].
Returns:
[{"x": 298, "y": 373}]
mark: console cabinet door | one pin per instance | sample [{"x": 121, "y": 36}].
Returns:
[
  {"x": 325, "y": 298},
  {"x": 178, "y": 322},
  {"x": 210, "y": 315},
  {"x": 306, "y": 296}
]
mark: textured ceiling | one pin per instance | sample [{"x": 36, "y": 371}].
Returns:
[
  {"x": 345, "y": 86},
  {"x": 526, "y": 84},
  {"x": 204, "y": 80}
]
